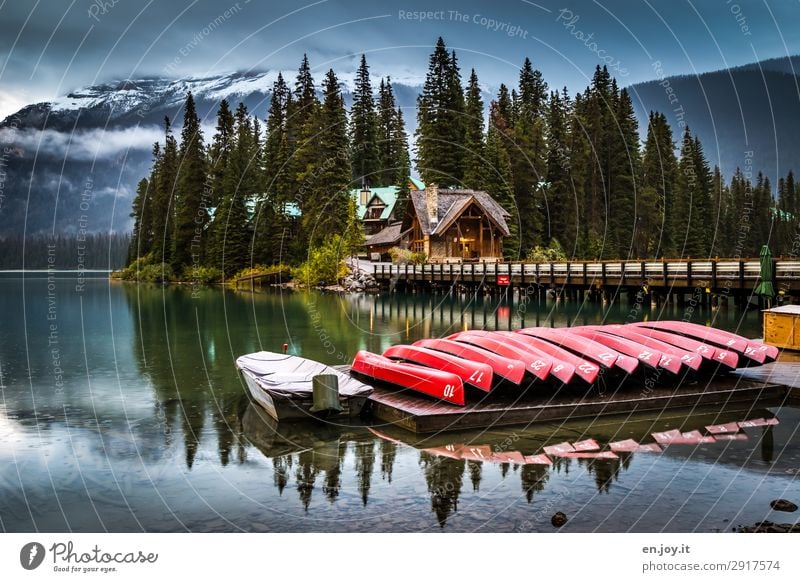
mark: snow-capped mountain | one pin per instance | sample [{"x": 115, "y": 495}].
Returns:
[{"x": 74, "y": 162}]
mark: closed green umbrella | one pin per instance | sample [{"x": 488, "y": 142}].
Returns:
[{"x": 765, "y": 287}]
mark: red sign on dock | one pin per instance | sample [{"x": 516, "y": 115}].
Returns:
[{"x": 503, "y": 280}]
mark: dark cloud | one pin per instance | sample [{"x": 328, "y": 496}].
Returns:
[{"x": 51, "y": 47}]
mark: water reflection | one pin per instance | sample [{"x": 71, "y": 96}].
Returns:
[{"x": 154, "y": 427}]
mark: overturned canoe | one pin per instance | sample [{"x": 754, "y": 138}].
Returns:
[
  {"x": 509, "y": 369},
  {"x": 445, "y": 386},
  {"x": 473, "y": 373}
]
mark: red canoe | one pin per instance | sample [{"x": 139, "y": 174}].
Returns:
[
  {"x": 685, "y": 357},
  {"x": 581, "y": 368},
  {"x": 710, "y": 354},
  {"x": 535, "y": 364},
  {"x": 472, "y": 373},
  {"x": 596, "y": 352},
  {"x": 648, "y": 357},
  {"x": 754, "y": 351},
  {"x": 443, "y": 385},
  {"x": 512, "y": 370}
]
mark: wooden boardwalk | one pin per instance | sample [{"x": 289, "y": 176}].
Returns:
[
  {"x": 773, "y": 384},
  {"x": 718, "y": 276}
]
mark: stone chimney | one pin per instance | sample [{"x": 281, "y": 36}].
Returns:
[{"x": 432, "y": 203}]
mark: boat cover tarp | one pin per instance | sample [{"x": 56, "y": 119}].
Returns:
[{"x": 291, "y": 376}]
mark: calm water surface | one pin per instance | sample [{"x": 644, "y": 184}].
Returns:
[{"x": 121, "y": 410}]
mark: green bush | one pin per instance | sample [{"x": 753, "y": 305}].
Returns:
[
  {"x": 419, "y": 258},
  {"x": 325, "y": 264},
  {"x": 400, "y": 256},
  {"x": 157, "y": 273},
  {"x": 552, "y": 254},
  {"x": 201, "y": 275}
]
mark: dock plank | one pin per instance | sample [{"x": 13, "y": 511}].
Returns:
[{"x": 424, "y": 415}]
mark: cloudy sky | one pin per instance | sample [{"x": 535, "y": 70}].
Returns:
[{"x": 51, "y": 47}]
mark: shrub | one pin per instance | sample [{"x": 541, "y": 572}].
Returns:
[
  {"x": 552, "y": 254},
  {"x": 325, "y": 264},
  {"x": 157, "y": 273},
  {"x": 419, "y": 258},
  {"x": 201, "y": 275},
  {"x": 400, "y": 256}
]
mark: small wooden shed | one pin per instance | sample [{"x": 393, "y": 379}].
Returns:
[{"x": 782, "y": 327}]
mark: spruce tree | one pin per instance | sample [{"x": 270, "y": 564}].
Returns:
[
  {"x": 692, "y": 200},
  {"x": 301, "y": 129},
  {"x": 628, "y": 212},
  {"x": 528, "y": 159},
  {"x": 497, "y": 181},
  {"x": 270, "y": 222},
  {"x": 473, "y": 136},
  {"x": 241, "y": 187},
  {"x": 440, "y": 127},
  {"x": 402, "y": 165},
  {"x": 325, "y": 209},
  {"x": 364, "y": 130},
  {"x": 659, "y": 167},
  {"x": 193, "y": 198},
  {"x": 563, "y": 222},
  {"x": 141, "y": 214},
  {"x": 387, "y": 120},
  {"x": 165, "y": 178}
]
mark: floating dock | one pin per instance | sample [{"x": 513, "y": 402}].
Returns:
[{"x": 768, "y": 385}]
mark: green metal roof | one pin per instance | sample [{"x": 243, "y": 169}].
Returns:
[{"x": 387, "y": 195}]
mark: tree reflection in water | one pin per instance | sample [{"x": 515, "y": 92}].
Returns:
[{"x": 444, "y": 477}]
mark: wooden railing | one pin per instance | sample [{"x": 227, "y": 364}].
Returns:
[{"x": 714, "y": 273}]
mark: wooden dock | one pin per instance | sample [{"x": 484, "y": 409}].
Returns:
[
  {"x": 663, "y": 278},
  {"x": 768, "y": 385}
]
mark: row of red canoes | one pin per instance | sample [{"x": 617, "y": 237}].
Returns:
[{"x": 577, "y": 356}]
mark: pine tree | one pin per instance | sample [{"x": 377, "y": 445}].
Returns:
[
  {"x": 241, "y": 187},
  {"x": 364, "y": 130},
  {"x": 270, "y": 222},
  {"x": 440, "y": 127},
  {"x": 693, "y": 187},
  {"x": 325, "y": 209},
  {"x": 563, "y": 222},
  {"x": 141, "y": 214},
  {"x": 301, "y": 129},
  {"x": 193, "y": 198},
  {"x": 659, "y": 168},
  {"x": 403, "y": 165},
  {"x": 387, "y": 120},
  {"x": 627, "y": 211},
  {"x": 528, "y": 158},
  {"x": 220, "y": 151},
  {"x": 473, "y": 136},
  {"x": 165, "y": 178},
  {"x": 498, "y": 182},
  {"x": 597, "y": 116}
]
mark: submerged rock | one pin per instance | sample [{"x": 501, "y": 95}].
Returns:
[
  {"x": 769, "y": 527},
  {"x": 558, "y": 519},
  {"x": 783, "y": 505}
]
